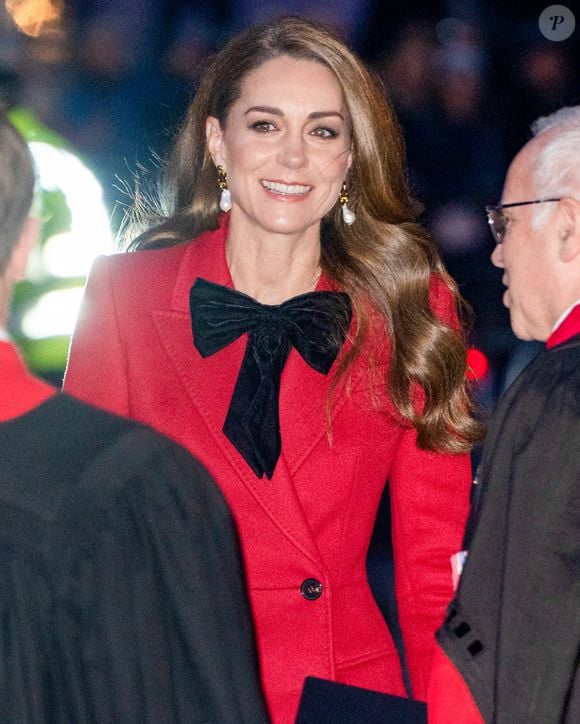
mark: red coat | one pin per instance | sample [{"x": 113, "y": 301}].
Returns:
[
  {"x": 133, "y": 353},
  {"x": 19, "y": 390}
]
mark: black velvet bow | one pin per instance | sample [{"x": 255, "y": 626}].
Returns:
[{"x": 315, "y": 324}]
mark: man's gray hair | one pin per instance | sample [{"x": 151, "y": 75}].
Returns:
[{"x": 557, "y": 164}]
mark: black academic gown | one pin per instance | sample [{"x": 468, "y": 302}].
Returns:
[
  {"x": 513, "y": 629},
  {"x": 121, "y": 591}
]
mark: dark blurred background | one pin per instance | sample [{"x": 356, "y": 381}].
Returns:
[{"x": 98, "y": 86}]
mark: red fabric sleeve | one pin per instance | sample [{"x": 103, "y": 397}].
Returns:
[
  {"x": 429, "y": 503},
  {"x": 449, "y": 700}
]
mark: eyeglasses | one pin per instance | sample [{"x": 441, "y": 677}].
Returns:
[{"x": 497, "y": 221}]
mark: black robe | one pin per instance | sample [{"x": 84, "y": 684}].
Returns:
[
  {"x": 513, "y": 629},
  {"x": 122, "y": 596}
]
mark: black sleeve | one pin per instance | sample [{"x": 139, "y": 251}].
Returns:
[{"x": 135, "y": 610}]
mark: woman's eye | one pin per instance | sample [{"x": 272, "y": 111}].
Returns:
[
  {"x": 263, "y": 126},
  {"x": 324, "y": 132}
]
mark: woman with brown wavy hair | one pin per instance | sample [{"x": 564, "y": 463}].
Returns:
[{"x": 286, "y": 319}]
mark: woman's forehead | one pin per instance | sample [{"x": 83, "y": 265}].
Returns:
[{"x": 289, "y": 81}]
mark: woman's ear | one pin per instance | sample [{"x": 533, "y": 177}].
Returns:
[{"x": 214, "y": 138}]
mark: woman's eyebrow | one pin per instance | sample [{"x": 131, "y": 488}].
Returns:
[
  {"x": 325, "y": 114},
  {"x": 265, "y": 109},
  {"x": 278, "y": 112}
]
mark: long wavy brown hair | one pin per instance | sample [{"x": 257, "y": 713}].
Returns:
[{"x": 385, "y": 261}]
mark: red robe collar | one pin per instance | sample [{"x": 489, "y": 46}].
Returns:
[
  {"x": 569, "y": 326},
  {"x": 19, "y": 391}
]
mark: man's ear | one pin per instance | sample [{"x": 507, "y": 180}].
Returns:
[
  {"x": 568, "y": 229},
  {"x": 214, "y": 137},
  {"x": 28, "y": 237}
]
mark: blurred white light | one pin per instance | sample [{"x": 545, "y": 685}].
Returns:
[
  {"x": 53, "y": 314},
  {"x": 63, "y": 255},
  {"x": 72, "y": 254}
]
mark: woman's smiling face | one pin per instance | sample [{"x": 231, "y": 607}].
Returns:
[{"x": 285, "y": 146}]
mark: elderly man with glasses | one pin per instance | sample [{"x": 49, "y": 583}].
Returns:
[{"x": 510, "y": 644}]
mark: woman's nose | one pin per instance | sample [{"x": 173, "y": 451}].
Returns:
[{"x": 292, "y": 153}]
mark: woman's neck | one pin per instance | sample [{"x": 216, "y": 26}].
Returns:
[{"x": 272, "y": 268}]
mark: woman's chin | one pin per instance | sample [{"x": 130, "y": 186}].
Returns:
[{"x": 285, "y": 223}]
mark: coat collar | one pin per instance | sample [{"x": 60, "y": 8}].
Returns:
[{"x": 204, "y": 257}]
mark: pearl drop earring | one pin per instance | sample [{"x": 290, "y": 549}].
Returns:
[
  {"x": 348, "y": 216},
  {"x": 225, "y": 196}
]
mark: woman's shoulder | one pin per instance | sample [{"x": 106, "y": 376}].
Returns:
[
  {"x": 443, "y": 301},
  {"x": 143, "y": 260},
  {"x": 164, "y": 262},
  {"x": 147, "y": 269},
  {"x": 136, "y": 279},
  {"x": 439, "y": 290}
]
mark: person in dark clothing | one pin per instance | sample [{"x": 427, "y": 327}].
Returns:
[{"x": 122, "y": 596}]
